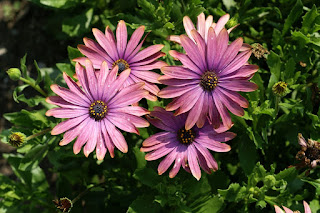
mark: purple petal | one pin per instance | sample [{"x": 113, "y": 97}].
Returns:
[
  {"x": 226, "y": 119},
  {"x": 174, "y": 82},
  {"x": 193, "y": 162},
  {"x": 230, "y": 53},
  {"x": 134, "y": 52},
  {"x": 239, "y": 85},
  {"x": 188, "y": 26},
  {"x": 83, "y": 79},
  {"x": 134, "y": 40},
  {"x": 145, "y": 53},
  {"x": 135, "y": 120},
  {"x": 92, "y": 141},
  {"x": 222, "y": 44},
  {"x": 192, "y": 51},
  {"x": 201, "y": 24},
  {"x": 128, "y": 95},
  {"x": 238, "y": 62},
  {"x": 186, "y": 61},
  {"x": 186, "y": 101},
  {"x": 66, "y": 113},
  {"x": 287, "y": 210},
  {"x": 107, "y": 140},
  {"x": 244, "y": 71},
  {"x": 73, "y": 86},
  {"x": 92, "y": 79},
  {"x": 166, "y": 117},
  {"x": 101, "y": 149},
  {"x": 207, "y": 156},
  {"x": 221, "y": 23},
  {"x": 174, "y": 38},
  {"x": 204, "y": 111},
  {"x": 150, "y": 66},
  {"x": 133, "y": 110},
  {"x": 68, "y": 96},
  {"x": 97, "y": 48},
  {"x": 121, "y": 34},
  {"x": 213, "y": 145},
  {"x": 232, "y": 106},
  {"x": 147, "y": 75},
  {"x": 68, "y": 124},
  {"x": 209, "y": 21},
  {"x": 146, "y": 61},
  {"x": 160, "y": 125},
  {"x": 306, "y": 207},
  {"x": 152, "y": 88},
  {"x": 277, "y": 209},
  {"x": 179, "y": 72},
  {"x": 122, "y": 123},
  {"x": 116, "y": 136},
  {"x": 92, "y": 54},
  {"x": 57, "y": 100},
  {"x": 164, "y": 150},
  {"x": 211, "y": 48},
  {"x": 195, "y": 112},
  {"x": 107, "y": 42},
  {"x": 165, "y": 163},
  {"x": 171, "y": 92},
  {"x": 83, "y": 137},
  {"x": 176, "y": 167},
  {"x": 214, "y": 116},
  {"x": 160, "y": 137},
  {"x": 235, "y": 97}
]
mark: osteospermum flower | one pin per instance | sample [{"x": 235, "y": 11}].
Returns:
[
  {"x": 186, "y": 148},
  {"x": 126, "y": 55},
  {"x": 208, "y": 82},
  {"x": 287, "y": 210},
  {"x": 309, "y": 155},
  {"x": 94, "y": 111}
]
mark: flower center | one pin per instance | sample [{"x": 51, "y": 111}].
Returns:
[
  {"x": 122, "y": 64},
  {"x": 209, "y": 81},
  {"x": 186, "y": 136},
  {"x": 98, "y": 110}
]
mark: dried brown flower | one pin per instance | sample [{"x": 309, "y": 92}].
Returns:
[
  {"x": 63, "y": 204},
  {"x": 309, "y": 155}
]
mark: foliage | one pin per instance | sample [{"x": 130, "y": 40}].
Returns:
[{"x": 252, "y": 177}]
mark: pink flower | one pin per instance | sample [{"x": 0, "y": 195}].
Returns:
[
  {"x": 207, "y": 83},
  {"x": 186, "y": 148},
  {"x": 95, "y": 110},
  {"x": 286, "y": 210},
  {"x": 126, "y": 55}
]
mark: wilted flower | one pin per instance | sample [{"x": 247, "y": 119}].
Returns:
[
  {"x": 309, "y": 155},
  {"x": 208, "y": 81},
  {"x": 16, "y": 139},
  {"x": 186, "y": 148},
  {"x": 259, "y": 51},
  {"x": 280, "y": 88},
  {"x": 287, "y": 210},
  {"x": 63, "y": 204},
  {"x": 125, "y": 54},
  {"x": 97, "y": 109}
]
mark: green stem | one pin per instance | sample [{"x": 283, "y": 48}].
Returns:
[
  {"x": 269, "y": 200},
  {"x": 276, "y": 106},
  {"x": 36, "y": 87},
  {"x": 38, "y": 134},
  {"x": 85, "y": 192}
]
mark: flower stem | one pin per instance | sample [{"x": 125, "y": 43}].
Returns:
[
  {"x": 85, "y": 192},
  {"x": 276, "y": 106},
  {"x": 36, "y": 87},
  {"x": 38, "y": 134}
]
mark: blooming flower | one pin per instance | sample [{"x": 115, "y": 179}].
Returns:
[
  {"x": 96, "y": 110},
  {"x": 208, "y": 81},
  {"x": 186, "y": 148},
  {"x": 203, "y": 26},
  {"x": 287, "y": 210},
  {"x": 126, "y": 55}
]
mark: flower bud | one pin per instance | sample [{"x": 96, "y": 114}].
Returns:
[
  {"x": 280, "y": 88},
  {"x": 16, "y": 139},
  {"x": 269, "y": 181},
  {"x": 232, "y": 22},
  {"x": 14, "y": 74}
]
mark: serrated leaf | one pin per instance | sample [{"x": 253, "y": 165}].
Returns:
[
  {"x": 234, "y": 193},
  {"x": 293, "y": 16},
  {"x": 287, "y": 174}
]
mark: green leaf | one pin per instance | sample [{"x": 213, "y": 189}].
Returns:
[
  {"x": 141, "y": 161},
  {"x": 79, "y": 24},
  {"x": 309, "y": 19},
  {"x": 33, "y": 157},
  {"x": 274, "y": 64},
  {"x": 247, "y": 155},
  {"x": 229, "y": 3},
  {"x": 147, "y": 176},
  {"x": 287, "y": 174},
  {"x": 73, "y": 53},
  {"x": 293, "y": 16},
  {"x": 39, "y": 77},
  {"x": 23, "y": 66},
  {"x": 212, "y": 205},
  {"x": 144, "y": 204},
  {"x": 68, "y": 68},
  {"x": 27, "y": 119},
  {"x": 234, "y": 193},
  {"x": 61, "y": 4}
]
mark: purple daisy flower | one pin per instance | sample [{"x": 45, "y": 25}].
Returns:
[
  {"x": 207, "y": 83},
  {"x": 94, "y": 112},
  {"x": 186, "y": 148},
  {"x": 287, "y": 210},
  {"x": 126, "y": 55}
]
